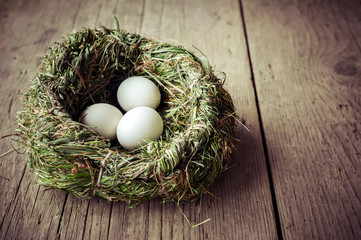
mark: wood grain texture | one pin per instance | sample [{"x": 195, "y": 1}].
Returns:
[
  {"x": 307, "y": 68},
  {"x": 242, "y": 208},
  {"x": 27, "y": 210}
]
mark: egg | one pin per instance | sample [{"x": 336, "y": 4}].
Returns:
[
  {"x": 136, "y": 92},
  {"x": 137, "y": 125},
  {"x": 103, "y": 118}
]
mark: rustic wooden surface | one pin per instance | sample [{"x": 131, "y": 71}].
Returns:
[
  {"x": 294, "y": 71},
  {"x": 308, "y": 81}
]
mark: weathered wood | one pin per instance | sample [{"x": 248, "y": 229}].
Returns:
[
  {"x": 100, "y": 219},
  {"x": 242, "y": 207},
  {"x": 306, "y": 63},
  {"x": 27, "y": 211}
]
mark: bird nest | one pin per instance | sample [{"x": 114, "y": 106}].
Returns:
[{"x": 86, "y": 68}]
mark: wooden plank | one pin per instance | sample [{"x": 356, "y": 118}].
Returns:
[
  {"x": 100, "y": 219},
  {"x": 22, "y": 203},
  {"x": 27, "y": 210},
  {"x": 243, "y": 208},
  {"x": 306, "y": 64}
]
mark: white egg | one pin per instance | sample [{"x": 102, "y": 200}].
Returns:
[
  {"x": 136, "y": 92},
  {"x": 103, "y": 118},
  {"x": 137, "y": 125}
]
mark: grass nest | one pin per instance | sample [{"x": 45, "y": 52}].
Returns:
[{"x": 86, "y": 68}]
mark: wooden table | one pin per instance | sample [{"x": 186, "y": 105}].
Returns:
[{"x": 294, "y": 71}]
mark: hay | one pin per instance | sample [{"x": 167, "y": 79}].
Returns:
[{"x": 87, "y": 68}]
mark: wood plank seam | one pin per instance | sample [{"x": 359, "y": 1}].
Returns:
[
  {"x": 62, "y": 215},
  {"x": 15, "y": 195},
  {"x": 269, "y": 172},
  {"x": 142, "y": 16},
  {"x": 110, "y": 218}
]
